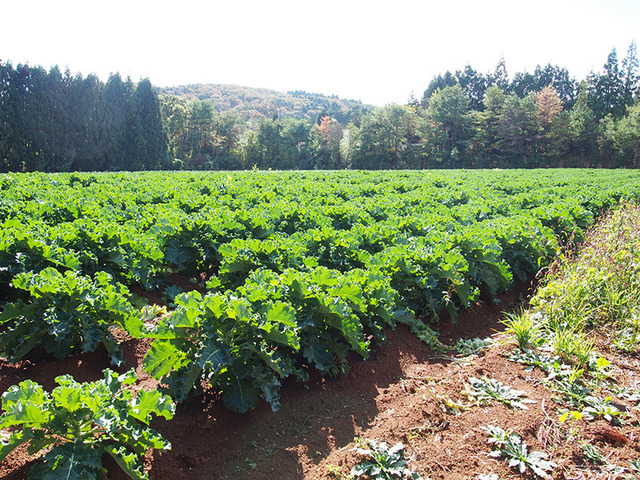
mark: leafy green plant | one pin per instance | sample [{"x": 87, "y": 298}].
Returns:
[
  {"x": 597, "y": 407},
  {"x": 77, "y": 423},
  {"x": 66, "y": 312},
  {"x": 383, "y": 463},
  {"x": 483, "y": 390},
  {"x": 472, "y": 346},
  {"x": 511, "y": 446},
  {"x": 593, "y": 455}
]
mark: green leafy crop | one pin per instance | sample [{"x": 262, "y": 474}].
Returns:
[
  {"x": 64, "y": 312},
  {"x": 79, "y": 422}
]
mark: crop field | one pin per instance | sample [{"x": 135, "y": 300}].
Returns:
[{"x": 242, "y": 280}]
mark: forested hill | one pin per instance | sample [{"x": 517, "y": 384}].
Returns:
[{"x": 256, "y": 103}]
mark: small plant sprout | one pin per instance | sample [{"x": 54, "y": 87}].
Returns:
[
  {"x": 483, "y": 390},
  {"x": 383, "y": 463},
  {"x": 511, "y": 446}
]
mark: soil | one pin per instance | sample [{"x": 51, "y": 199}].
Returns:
[{"x": 398, "y": 395}]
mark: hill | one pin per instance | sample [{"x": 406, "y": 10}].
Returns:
[{"x": 253, "y": 103}]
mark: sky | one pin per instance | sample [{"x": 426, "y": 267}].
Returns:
[{"x": 374, "y": 51}]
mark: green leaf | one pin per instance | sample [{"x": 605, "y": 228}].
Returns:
[
  {"x": 128, "y": 461},
  {"x": 152, "y": 402},
  {"x": 163, "y": 357},
  {"x": 319, "y": 354},
  {"x": 214, "y": 356},
  {"x": 71, "y": 461},
  {"x": 25, "y": 404},
  {"x": 240, "y": 395},
  {"x": 279, "y": 312}
]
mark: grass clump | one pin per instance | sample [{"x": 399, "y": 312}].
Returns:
[
  {"x": 596, "y": 287},
  {"x": 590, "y": 299},
  {"x": 599, "y": 286}
]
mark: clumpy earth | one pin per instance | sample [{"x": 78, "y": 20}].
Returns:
[{"x": 404, "y": 393}]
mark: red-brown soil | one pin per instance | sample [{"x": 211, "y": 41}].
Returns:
[{"x": 395, "y": 396}]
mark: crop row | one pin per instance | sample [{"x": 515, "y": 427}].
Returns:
[{"x": 290, "y": 270}]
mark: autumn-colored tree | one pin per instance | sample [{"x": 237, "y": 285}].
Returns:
[
  {"x": 327, "y": 134},
  {"x": 549, "y": 105}
]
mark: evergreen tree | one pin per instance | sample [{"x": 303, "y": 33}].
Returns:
[{"x": 145, "y": 143}]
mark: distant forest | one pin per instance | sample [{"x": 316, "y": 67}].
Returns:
[{"x": 53, "y": 121}]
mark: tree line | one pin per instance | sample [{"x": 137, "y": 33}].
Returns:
[
  {"x": 466, "y": 119},
  {"x": 53, "y": 121}
]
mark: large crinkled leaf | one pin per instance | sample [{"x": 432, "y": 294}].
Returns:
[
  {"x": 214, "y": 356},
  {"x": 176, "y": 254},
  {"x": 319, "y": 354},
  {"x": 240, "y": 395},
  {"x": 128, "y": 461},
  {"x": 26, "y": 404},
  {"x": 152, "y": 402},
  {"x": 280, "y": 312},
  {"x": 180, "y": 382},
  {"x": 70, "y": 461},
  {"x": 162, "y": 358}
]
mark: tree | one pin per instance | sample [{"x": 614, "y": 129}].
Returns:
[
  {"x": 438, "y": 82},
  {"x": 145, "y": 140},
  {"x": 630, "y": 75},
  {"x": 487, "y": 134},
  {"x": 549, "y": 105},
  {"x": 326, "y": 136},
  {"x": 500, "y": 77},
  {"x": 518, "y": 127},
  {"x": 16, "y": 150},
  {"x": 388, "y": 138},
  {"x": 582, "y": 127},
  {"x": 474, "y": 85},
  {"x": 607, "y": 90},
  {"x": 626, "y": 137},
  {"x": 117, "y": 101},
  {"x": 525, "y": 83},
  {"x": 449, "y": 109}
]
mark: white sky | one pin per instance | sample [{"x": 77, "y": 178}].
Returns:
[{"x": 379, "y": 52}]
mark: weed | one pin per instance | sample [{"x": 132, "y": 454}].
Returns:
[
  {"x": 511, "y": 446},
  {"x": 472, "y": 346},
  {"x": 336, "y": 472},
  {"x": 488, "y": 476},
  {"x": 483, "y": 390},
  {"x": 383, "y": 463},
  {"x": 598, "y": 407},
  {"x": 593, "y": 455},
  {"x": 524, "y": 328},
  {"x": 572, "y": 344}
]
